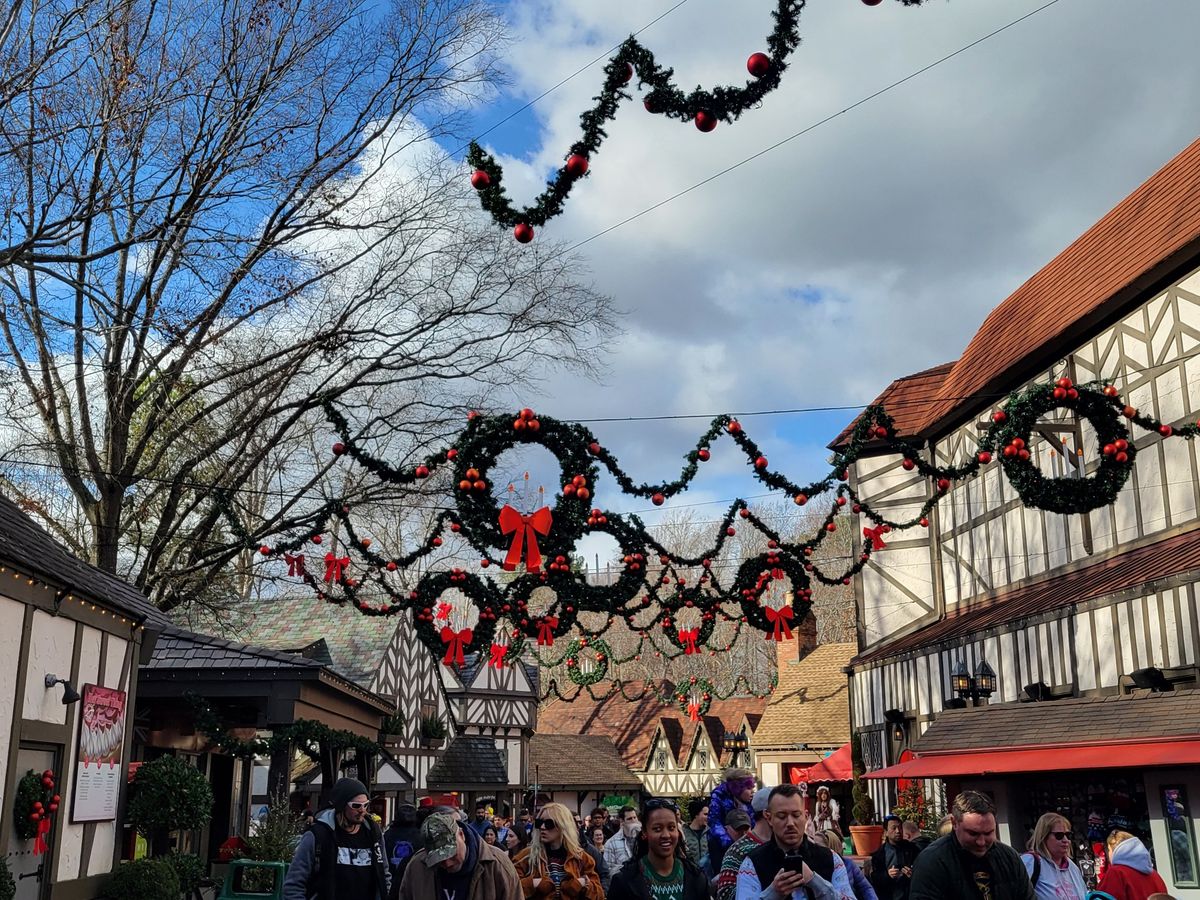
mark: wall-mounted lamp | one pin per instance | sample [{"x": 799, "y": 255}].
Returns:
[
  {"x": 895, "y": 718},
  {"x": 976, "y": 687},
  {"x": 70, "y": 695}
]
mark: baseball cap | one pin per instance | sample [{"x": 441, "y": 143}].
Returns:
[
  {"x": 737, "y": 818},
  {"x": 440, "y": 834},
  {"x": 758, "y": 802}
]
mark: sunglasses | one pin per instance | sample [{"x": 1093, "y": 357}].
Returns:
[
  {"x": 1061, "y": 835},
  {"x": 354, "y": 804},
  {"x": 661, "y": 803},
  {"x": 548, "y": 824}
]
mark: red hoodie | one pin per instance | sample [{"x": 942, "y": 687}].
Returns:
[{"x": 1131, "y": 876}]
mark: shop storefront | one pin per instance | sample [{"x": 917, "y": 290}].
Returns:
[{"x": 1141, "y": 776}]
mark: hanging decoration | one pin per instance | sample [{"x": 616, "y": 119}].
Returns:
[
  {"x": 680, "y": 599},
  {"x": 34, "y": 805},
  {"x": 587, "y": 661},
  {"x": 704, "y": 108},
  {"x": 695, "y": 698}
]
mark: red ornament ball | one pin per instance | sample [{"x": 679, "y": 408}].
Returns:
[
  {"x": 999, "y": 416},
  {"x": 907, "y": 464},
  {"x": 628, "y": 73},
  {"x": 658, "y": 499},
  {"x": 943, "y": 484},
  {"x": 985, "y": 457},
  {"x": 760, "y": 463},
  {"x": 1165, "y": 430},
  {"x": 339, "y": 448},
  {"x": 421, "y": 471},
  {"x": 523, "y": 233},
  {"x": 264, "y": 550},
  {"x": 924, "y": 522},
  {"x": 577, "y": 165},
  {"x": 391, "y": 566},
  {"x": 1110, "y": 391},
  {"x": 800, "y": 499},
  {"x": 705, "y": 121},
  {"x": 480, "y": 180},
  {"x": 437, "y": 542},
  {"x": 758, "y": 65},
  {"x": 871, "y": 2},
  {"x": 703, "y": 455},
  {"x": 451, "y": 453},
  {"x": 316, "y": 539}
]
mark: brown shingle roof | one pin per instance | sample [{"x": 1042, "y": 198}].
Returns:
[
  {"x": 576, "y": 762},
  {"x": 811, "y": 703},
  {"x": 1172, "y": 556},
  {"x": 1143, "y": 239},
  {"x": 632, "y": 725},
  {"x": 1077, "y": 720},
  {"x": 906, "y": 400}
]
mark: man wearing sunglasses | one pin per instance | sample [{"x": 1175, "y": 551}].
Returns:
[{"x": 342, "y": 855}]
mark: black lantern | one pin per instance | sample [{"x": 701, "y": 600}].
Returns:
[
  {"x": 960, "y": 680},
  {"x": 985, "y": 679},
  {"x": 735, "y": 743},
  {"x": 975, "y": 687}
]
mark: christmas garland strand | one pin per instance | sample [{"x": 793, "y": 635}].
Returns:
[
  {"x": 703, "y": 107},
  {"x": 686, "y": 597}
]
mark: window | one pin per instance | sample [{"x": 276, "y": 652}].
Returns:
[
  {"x": 702, "y": 759},
  {"x": 1178, "y": 818},
  {"x": 660, "y": 758}
]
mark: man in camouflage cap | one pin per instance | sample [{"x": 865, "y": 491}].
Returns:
[{"x": 457, "y": 865}]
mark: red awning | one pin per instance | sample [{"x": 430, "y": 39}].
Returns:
[
  {"x": 1109, "y": 755},
  {"x": 837, "y": 766}
]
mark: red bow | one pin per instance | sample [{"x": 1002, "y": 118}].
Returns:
[
  {"x": 546, "y": 628},
  {"x": 688, "y": 639},
  {"x": 444, "y": 610},
  {"x": 524, "y": 530},
  {"x": 780, "y": 618},
  {"x": 499, "y": 651},
  {"x": 39, "y": 845},
  {"x": 694, "y": 712},
  {"x": 455, "y": 641},
  {"x": 875, "y": 536},
  {"x": 335, "y": 566},
  {"x": 295, "y": 563}
]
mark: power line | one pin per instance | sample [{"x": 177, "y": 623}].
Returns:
[{"x": 814, "y": 125}]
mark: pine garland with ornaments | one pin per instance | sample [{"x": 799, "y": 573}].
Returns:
[
  {"x": 704, "y": 108},
  {"x": 675, "y": 601},
  {"x": 34, "y": 805}
]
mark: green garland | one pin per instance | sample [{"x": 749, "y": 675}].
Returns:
[
  {"x": 34, "y": 801},
  {"x": 601, "y": 654},
  {"x": 663, "y": 97},
  {"x": 664, "y": 692},
  {"x": 652, "y": 601}
]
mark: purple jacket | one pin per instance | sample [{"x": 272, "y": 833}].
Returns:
[{"x": 719, "y": 806}]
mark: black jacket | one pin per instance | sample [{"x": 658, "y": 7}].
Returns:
[
  {"x": 884, "y": 885},
  {"x": 630, "y": 883},
  {"x": 941, "y": 872}
]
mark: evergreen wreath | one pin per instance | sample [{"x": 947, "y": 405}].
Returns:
[
  {"x": 653, "y": 587},
  {"x": 34, "y": 803},
  {"x": 599, "y": 653},
  {"x": 663, "y": 97},
  {"x": 701, "y": 687}
]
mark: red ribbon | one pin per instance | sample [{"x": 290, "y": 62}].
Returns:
[
  {"x": 499, "y": 651},
  {"x": 335, "y": 566},
  {"x": 455, "y": 641},
  {"x": 875, "y": 535},
  {"x": 546, "y": 628},
  {"x": 780, "y": 618},
  {"x": 524, "y": 530},
  {"x": 295, "y": 563},
  {"x": 688, "y": 639},
  {"x": 39, "y": 844},
  {"x": 694, "y": 712},
  {"x": 444, "y": 610}
]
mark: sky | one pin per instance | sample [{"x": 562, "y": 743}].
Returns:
[{"x": 869, "y": 248}]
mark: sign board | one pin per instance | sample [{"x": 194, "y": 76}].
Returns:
[{"x": 98, "y": 769}]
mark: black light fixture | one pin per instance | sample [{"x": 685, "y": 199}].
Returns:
[
  {"x": 1151, "y": 678},
  {"x": 975, "y": 687},
  {"x": 70, "y": 695},
  {"x": 895, "y": 718},
  {"x": 1038, "y": 692},
  {"x": 735, "y": 743}
]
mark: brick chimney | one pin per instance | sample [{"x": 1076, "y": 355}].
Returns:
[{"x": 804, "y": 642}]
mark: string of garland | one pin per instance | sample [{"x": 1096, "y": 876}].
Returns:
[
  {"x": 684, "y": 598},
  {"x": 663, "y": 97},
  {"x": 304, "y": 734},
  {"x": 664, "y": 691}
]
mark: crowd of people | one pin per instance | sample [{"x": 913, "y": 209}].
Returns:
[{"x": 744, "y": 842}]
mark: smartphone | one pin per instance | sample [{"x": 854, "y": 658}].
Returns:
[{"x": 793, "y": 862}]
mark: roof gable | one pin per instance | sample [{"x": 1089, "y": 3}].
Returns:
[{"x": 576, "y": 761}]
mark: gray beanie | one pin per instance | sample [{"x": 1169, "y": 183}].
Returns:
[{"x": 346, "y": 790}]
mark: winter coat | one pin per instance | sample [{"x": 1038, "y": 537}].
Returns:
[
  {"x": 859, "y": 882},
  {"x": 631, "y": 884},
  {"x": 939, "y": 873},
  {"x": 883, "y": 883},
  {"x": 1052, "y": 882},
  {"x": 314, "y": 865},
  {"x": 719, "y": 806},
  {"x": 1130, "y": 874},
  {"x": 697, "y": 845},
  {"x": 578, "y": 866},
  {"x": 493, "y": 877}
]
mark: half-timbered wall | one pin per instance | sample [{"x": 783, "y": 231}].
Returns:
[{"x": 983, "y": 539}]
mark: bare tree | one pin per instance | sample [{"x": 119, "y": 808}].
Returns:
[{"x": 221, "y": 213}]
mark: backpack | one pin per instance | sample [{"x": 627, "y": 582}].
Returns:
[
  {"x": 1037, "y": 869},
  {"x": 401, "y": 853}
]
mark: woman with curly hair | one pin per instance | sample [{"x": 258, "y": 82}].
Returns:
[{"x": 554, "y": 865}]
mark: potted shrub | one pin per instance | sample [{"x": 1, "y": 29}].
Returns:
[
  {"x": 433, "y": 730},
  {"x": 168, "y": 795},
  {"x": 867, "y": 835},
  {"x": 142, "y": 879},
  {"x": 391, "y": 730}
]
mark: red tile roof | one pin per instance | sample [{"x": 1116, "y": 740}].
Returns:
[
  {"x": 1171, "y": 556},
  {"x": 906, "y": 400},
  {"x": 631, "y": 725},
  {"x": 1144, "y": 238}
]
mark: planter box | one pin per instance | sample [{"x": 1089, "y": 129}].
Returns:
[
  {"x": 433, "y": 743},
  {"x": 867, "y": 838}
]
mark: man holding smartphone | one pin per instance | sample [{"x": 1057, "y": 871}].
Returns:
[
  {"x": 790, "y": 866},
  {"x": 891, "y": 864}
]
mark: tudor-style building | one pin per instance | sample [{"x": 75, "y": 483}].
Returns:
[
  {"x": 1083, "y": 614},
  {"x": 672, "y": 755}
]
